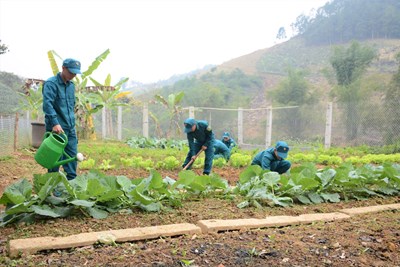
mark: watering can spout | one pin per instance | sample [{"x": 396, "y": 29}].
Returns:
[
  {"x": 65, "y": 161},
  {"x": 52, "y": 149}
]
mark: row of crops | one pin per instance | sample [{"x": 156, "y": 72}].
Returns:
[
  {"x": 96, "y": 194},
  {"x": 142, "y": 153}
]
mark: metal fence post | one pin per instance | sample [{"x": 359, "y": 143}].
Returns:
[
  {"x": 268, "y": 135},
  {"x": 145, "y": 120},
  {"x": 328, "y": 126},
  {"x": 240, "y": 126},
  {"x": 119, "y": 123}
]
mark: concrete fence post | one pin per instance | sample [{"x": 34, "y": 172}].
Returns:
[
  {"x": 28, "y": 119},
  {"x": 146, "y": 120},
  {"x": 191, "y": 112},
  {"x": 103, "y": 123},
  {"x": 240, "y": 126},
  {"x": 268, "y": 135},
  {"x": 328, "y": 125},
  {"x": 119, "y": 123},
  {"x": 28, "y": 125}
]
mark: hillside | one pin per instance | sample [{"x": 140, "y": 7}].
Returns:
[
  {"x": 9, "y": 85},
  {"x": 274, "y": 60},
  {"x": 247, "y": 80},
  {"x": 270, "y": 64}
]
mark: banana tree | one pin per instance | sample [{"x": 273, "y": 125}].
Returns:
[
  {"x": 85, "y": 105},
  {"x": 85, "y": 74},
  {"x": 32, "y": 99},
  {"x": 174, "y": 110},
  {"x": 109, "y": 97}
]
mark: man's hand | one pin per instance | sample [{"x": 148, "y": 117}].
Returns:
[{"x": 58, "y": 129}]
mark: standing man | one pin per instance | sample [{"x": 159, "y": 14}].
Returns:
[
  {"x": 273, "y": 158},
  {"x": 200, "y": 136},
  {"x": 58, "y": 107},
  {"x": 221, "y": 150},
  {"x": 228, "y": 141}
]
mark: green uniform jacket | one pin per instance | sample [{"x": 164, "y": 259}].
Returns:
[
  {"x": 203, "y": 135},
  {"x": 230, "y": 143},
  {"x": 221, "y": 150},
  {"x": 265, "y": 159},
  {"x": 59, "y": 103}
]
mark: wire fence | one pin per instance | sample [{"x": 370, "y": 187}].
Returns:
[
  {"x": 12, "y": 137},
  {"x": 329, "y": 124}
]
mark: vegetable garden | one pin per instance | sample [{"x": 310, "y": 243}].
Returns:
[{"x": 139, "y": 183}]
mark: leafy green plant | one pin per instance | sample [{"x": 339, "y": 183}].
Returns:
[
  {"x": 308, "y": 185},
  {"x": 240, "y": 160},
  {"x": 143, "y": 142},
  {"x": 186, "y": 262},
  {"x": 96, "y": 194},
  {"x": 146, "y": 164},
  {"x": 300, "y": 157},
  {"x": 105, "y": 165},
  {"x": 374, "y": 158},
  {"x": 329, "y": 160},
  {"x": 198, "y": 163},
  {"x": 127, "y": 162},
  {"x": 190, "y": 183},
  {"x": 169, "y": 163},
  {"x": 219, "y": 162},
  {"x": 87, "y": 164},
  {"x": 260, "y": 187}
]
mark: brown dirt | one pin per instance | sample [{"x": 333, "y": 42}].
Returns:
[{"x": 365, "y": 240}]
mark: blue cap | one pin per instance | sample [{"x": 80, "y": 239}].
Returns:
[
  {"x": 282, "y": 148},
  {"x": 226, "y": 134},
  {"x": 73, "y": 65},
  {"x": 188, "y": 124}
]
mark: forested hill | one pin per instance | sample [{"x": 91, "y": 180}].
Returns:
[
  {"x": 10, "y": 84},
  {"x": 376, "y": 23},
  {"x": 246, "y": 81},
  {"x": 340, "y": 21}
]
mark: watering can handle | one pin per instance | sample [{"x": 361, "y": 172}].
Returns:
[
  {"x": 46, "y": 134},
  {"x": 62, "y": 135},
  {"x": 65, "y": 138}
]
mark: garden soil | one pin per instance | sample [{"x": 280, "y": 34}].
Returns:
[{"x": 364, "y": 240}]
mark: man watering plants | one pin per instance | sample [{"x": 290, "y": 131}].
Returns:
[
  {"x": 221, "y": 150},
  {"x": 58, "y": 107},
  {"x": 200, "y": 137},
  {"x": 274, "y": 158},
  {"x": 228, "y": 141}
]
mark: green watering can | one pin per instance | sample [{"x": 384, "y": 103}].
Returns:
[{"x": 51, "y": 150}]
